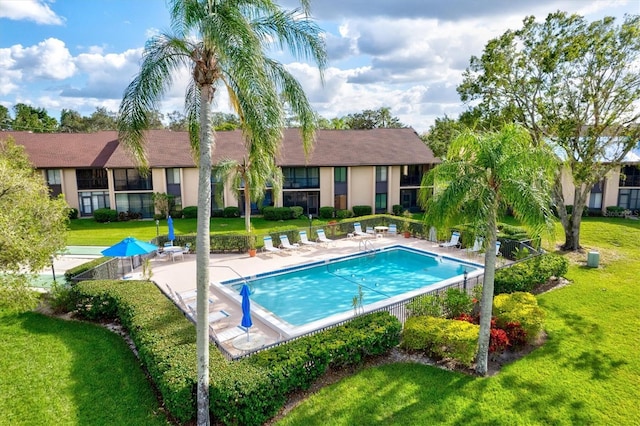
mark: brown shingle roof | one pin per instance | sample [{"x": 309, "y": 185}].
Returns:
[{"x": 171, "y": 149}]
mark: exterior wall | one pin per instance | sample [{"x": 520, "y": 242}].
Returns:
[
  {"x": 611, "y": 187},
  {"x": 326, "y": 187},
  {"x": 189, "y": 187},
  {"x": 361, "y": 183},
  {"x": 70, "y": 187},
  {"x": 159, "y": 179}
]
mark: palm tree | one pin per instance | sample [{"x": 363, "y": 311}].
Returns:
[
  {"x": 251, "y": 177},
  {"x": 224, "y": 44},
  {"x": 482, "y": 175}
]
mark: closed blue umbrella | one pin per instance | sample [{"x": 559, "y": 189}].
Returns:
[
  {"x": 246, "y": 308},
  {"x": 129, "y": 247},
  {"x": 171, "y": 234}
]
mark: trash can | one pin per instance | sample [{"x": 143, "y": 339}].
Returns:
[{"x": 593, "y": 259}]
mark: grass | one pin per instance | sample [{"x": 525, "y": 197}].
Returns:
[
  {"x": 586, "y": 373},
  {"x": 88, "y": 232},
  {"x": 66, "y": 372}
]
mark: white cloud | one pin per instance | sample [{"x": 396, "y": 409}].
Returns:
[
  {"x": 49, "y": 59},
  {"x": 30, "y": 10}
]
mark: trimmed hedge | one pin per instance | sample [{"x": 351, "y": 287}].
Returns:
[
  {"x": 105, "y": 215},
  {"x": 277, "y": 213},
  {"x": 246, "y": 392},
  {"x": 361, "y": 210},
  {"x": 88, "y": 265},
  {"x": 442, "y": 338},
  {"x": 326, "y": 212},
  {"x": 190, "y": 212},
  {"x": 522, "y": 308},
  {"x": 231, "y": 211},
  {"x": 526, "y": 275}
]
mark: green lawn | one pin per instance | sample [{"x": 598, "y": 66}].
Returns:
[
  {"x": 588, "y": 372},
  {"x": 88, "y": 232},
  {"x": 56, "y": 372}
]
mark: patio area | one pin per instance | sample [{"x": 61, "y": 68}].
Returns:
[{"x": 180, "y": 278}]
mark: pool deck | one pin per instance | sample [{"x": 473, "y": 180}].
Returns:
[{"x": 180, "y": 276}]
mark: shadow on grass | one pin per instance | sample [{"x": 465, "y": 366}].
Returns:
[{"x": 83, "y": 374}]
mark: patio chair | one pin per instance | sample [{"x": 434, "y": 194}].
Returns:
[
  {"x": 322, "y": 238},
  {"x": 393, "y": 230},
  {"x": 268, "y": 245},
  {"x": 454, "y": 242},
  {"x": 305, "y": 240},
  {"x": 370, "y": 232},
  {"x": 187, "y": 248},
  {"x": 228, "y": 333},
  {"x": 214, "y": 317},
  {"x": 477, "y": 246},
  {"x": 285, "y": 244},
  {"x": 357, "y": 230}
]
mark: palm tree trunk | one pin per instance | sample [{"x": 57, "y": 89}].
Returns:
[
  {"x": 486, "y": 304},
  {"x": 203, "y": 246},
  {"x": 247, "y": 207}
]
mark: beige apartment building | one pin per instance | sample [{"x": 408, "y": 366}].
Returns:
[{"x": 379, "y": 168}]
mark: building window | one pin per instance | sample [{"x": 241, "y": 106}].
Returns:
[
  {"x": 301, "y": 177},
  {"x": 54, "y": 180},
  {"x": 89, "y": 201},
  {"x": 381, "y": 173},
  {"x": 131, "y": 180},
  {"x": 340, "y": 188},
  {"x": 629, "y": 176},
  {"x": 135, "y": 203},
  {"x": 411, "y": 175},
  {"x": 595, "y": 197},
  {"x": 173, "y": 189},
  {"x": 381, "y": 202},
  {"x": 629, "y": 199},
  {"x": 308, "y": 200},
  {"x": 92, "y": 179}
]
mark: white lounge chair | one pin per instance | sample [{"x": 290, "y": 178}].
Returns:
[
  {"x": 477, "y": 246},
  {"x": 285, "y": 244},
  {"x": 322, "y": 238},
  {"x": 228, "y": 333},
  {"x": 370, "y": 232},
  {"x": 214, "y": 317},
  {"x": 454, "y": 242},
  {"x": 305, "y": 240},
  {"x": 357, "y": 230},
  {"x": 268, "y": 245},
  {"x": 393, "y": 229}
]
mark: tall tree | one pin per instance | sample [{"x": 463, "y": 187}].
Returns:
[
  {"x": 572, "y": 84},
  {"x": 441, "y": 134},
  {"x": 72, "y": 122},
  {"x": 224, "y": 43},
  {"x": 5, "y": 118},
  {"x": 32, "y": 225},
  {"x": 482, "y": 175},
  {"x": 373, "y": 119},
  {"x": 28, "y": 118},
  {"x": 102, "y": 119},
  {"x": 177, "y": 122}
]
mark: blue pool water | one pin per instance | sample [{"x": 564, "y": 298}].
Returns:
[{"x": 304, "y": 295}]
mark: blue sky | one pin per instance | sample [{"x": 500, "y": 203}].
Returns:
[{"x": 407, "y": 55}]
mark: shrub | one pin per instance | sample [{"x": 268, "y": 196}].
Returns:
[
  {"x": 441, "y": 338},
  {"x": 217, "y": 213},
  {"x": 361, "y": 210},
  {"x": 190, "y": 212},
  {"x": 326, "y": 212},
  {"x": 429, "y": 305},
  {"x": 526, "y": 275},
  {"x": 105, "y": 215},
  {"x": 456, "y": 302},
  {"x": 73, "y": 213},
  {"x": 516, "y": 334},
  {"x": 397, "y": 209},
  {"x": 344, "y": 214},
  {"x": 70, "y": 273},
  {"x": 615, "y": 211},
  {"x": 247, "y": 392},
  {"x": 522, "y": 308},
  {"x": 498, "y": 340},
  {"x": 277, "y": 213},
  {"x": 296, "y": 211},
  {"x": 231, "y": 211}
]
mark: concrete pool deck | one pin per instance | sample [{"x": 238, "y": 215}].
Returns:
[{"x": 180, "y": 276}]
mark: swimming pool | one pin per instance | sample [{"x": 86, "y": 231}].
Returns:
[{"x": 304, "y": 295}]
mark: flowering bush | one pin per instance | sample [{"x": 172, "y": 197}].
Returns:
[
  {"x": 516, "y": 334},
  {"x": 499, "y": 341}
]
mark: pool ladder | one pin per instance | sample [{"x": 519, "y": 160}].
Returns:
[
  {"x": 362, "y": 246},
  {"x": 243, "y": 279}
]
